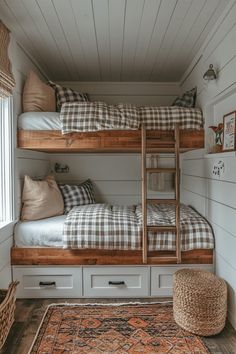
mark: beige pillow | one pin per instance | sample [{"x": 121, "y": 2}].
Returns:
[
  {"x": 37, "y": 96},
  {"x": 41, "y": 199}
]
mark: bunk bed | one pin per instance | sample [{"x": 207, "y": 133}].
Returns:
[
  {"x": 139, "y": 140},
  {"x": 39, "y": 268}
]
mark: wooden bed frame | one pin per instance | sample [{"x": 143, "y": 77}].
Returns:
[
  {"x": 53, "y": 141},
  {"x": 123, "y": 141},
  {"x": 59, "y": 256}
]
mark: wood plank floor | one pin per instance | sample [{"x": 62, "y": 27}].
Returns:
[{"x": 29, "y": 314}]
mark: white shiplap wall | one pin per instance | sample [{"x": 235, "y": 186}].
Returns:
[
  {"x": 31, "y": 163},
  {"x": 116, "y": 177},
  {"x": 215, "y": 198},
  {"x": 139, "y": 93}
]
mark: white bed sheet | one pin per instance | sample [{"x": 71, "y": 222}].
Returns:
[
  {"x": 39, "y": 121},
  {"x": 40, "y": 233}
]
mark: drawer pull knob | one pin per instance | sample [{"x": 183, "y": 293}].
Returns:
[
  {"x": 47, "y": 283},
  {"x": 116, "y": 282}
]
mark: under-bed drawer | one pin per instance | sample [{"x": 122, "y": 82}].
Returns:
[
  {"x": 162, "y": 277},
  {"x": 46, "y": 282},
  {"x": 116, "y": 281}
]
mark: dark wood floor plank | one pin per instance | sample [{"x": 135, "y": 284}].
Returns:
[{"x": 29, "y": 314}]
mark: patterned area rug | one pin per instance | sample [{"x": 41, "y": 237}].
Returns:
[{"x": 129, "y": 328}]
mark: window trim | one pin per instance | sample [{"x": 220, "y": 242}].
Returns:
[{"x": 7, "y": 179}]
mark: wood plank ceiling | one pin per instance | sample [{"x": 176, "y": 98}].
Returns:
[{"x": 112, "y": 40}]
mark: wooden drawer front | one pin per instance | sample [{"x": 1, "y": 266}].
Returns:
[
  {"x": 162, "y": 278},
  {"x": 116, "y": 281},
  {"x": 40, "y": 282}
]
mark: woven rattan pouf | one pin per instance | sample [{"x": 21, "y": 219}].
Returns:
[{"x": 199, "y": 301}]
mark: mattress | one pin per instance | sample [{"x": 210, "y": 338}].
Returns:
[
  {"x": 39, "y": 121},
  {"x": 75, "y": 117},
  {"x": 40, "y": 233}
]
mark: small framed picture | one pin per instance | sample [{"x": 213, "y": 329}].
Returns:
[{"x": 229, "y": 131}]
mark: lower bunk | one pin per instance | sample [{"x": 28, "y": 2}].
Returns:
[
  {"x": 96, "y": 251},
  {"x": 63, "y": 273}
]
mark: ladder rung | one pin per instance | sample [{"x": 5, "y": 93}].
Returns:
[
  {"x": 159, "y": 150},
  {"x": 162, "y": 138},
  {"x": 161, "y": 141},
  {"x": 161, "y": 228},
  {"x": 159, "y": 170},
  {"x": 162, "y": 201},
  {"x": 162, "y": 259}
]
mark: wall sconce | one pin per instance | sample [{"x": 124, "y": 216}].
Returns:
[
  {"x": 210, "y": 74},
  {"x": 59, "y": 168}
]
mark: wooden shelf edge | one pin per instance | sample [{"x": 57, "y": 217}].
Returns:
[{"x": 220, "y": 154}]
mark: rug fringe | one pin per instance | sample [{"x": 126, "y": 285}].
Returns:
[{"x": 109, "y": 303}]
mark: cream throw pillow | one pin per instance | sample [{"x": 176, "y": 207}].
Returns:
[
  {"x": 37, "y": 96},
  {"x": 41, "y": 199}
]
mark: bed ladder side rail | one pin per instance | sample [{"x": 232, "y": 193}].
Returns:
[
  {"x": 144, "y": 195},
  {"x": 176, "y": 170},
  {"x": 177, "y": 194}
]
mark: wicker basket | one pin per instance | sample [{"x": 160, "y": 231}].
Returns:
[
  {"x": 7, "y": 309},
  {"x": 199, "y": 301}
]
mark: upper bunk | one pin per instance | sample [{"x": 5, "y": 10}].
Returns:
[
  {"x": 94, "y": 127},
  {"x": 60, "y": 120}
]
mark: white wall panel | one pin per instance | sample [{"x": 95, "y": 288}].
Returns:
[
  {"x": 139, "y": 93},
  {"x": 225, "y": 244},
  {"x": 194, "y": 184},
  {"x": 229, "y": 174},
  {"x": 221, "y": 215},
  {"x": 26, "y": 162},
  {"x": 225, "y": 271},
  {"x": 194, "y": 167},
  {"x": 222, "y": 192},
  {"x": 194, "y": 200},
  {"x": 5, "y": 276},
  {"x": 31, "y": 163},
  {"x": 200, "y": 186},
  {"x": 116, "y": 177},
  {"x": 5, "y": 248}
]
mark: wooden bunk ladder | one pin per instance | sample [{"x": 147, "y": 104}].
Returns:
[{"x": 173, "y": 147}]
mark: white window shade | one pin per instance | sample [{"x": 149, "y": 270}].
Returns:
[{"x": 6, "y": 162}]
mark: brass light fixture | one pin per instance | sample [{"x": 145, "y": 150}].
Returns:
[{"x": 210, "y": 74}]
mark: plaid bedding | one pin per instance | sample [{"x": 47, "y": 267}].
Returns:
[
  {"x": 94, "y": 116},
  {"x": 102, "y": 226},
  {"x": 165, "y": 118}
]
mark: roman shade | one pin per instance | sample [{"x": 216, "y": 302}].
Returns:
[{"x": 7, "y": 81}]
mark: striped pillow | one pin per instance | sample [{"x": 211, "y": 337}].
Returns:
[
  {"x": 64, "y": 94},
  {"x": 75, "y": 195}
]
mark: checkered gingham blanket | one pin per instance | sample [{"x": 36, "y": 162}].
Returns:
[
  {"x": 102, "y": 226},
  {"x": 94, "y": 116}
]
